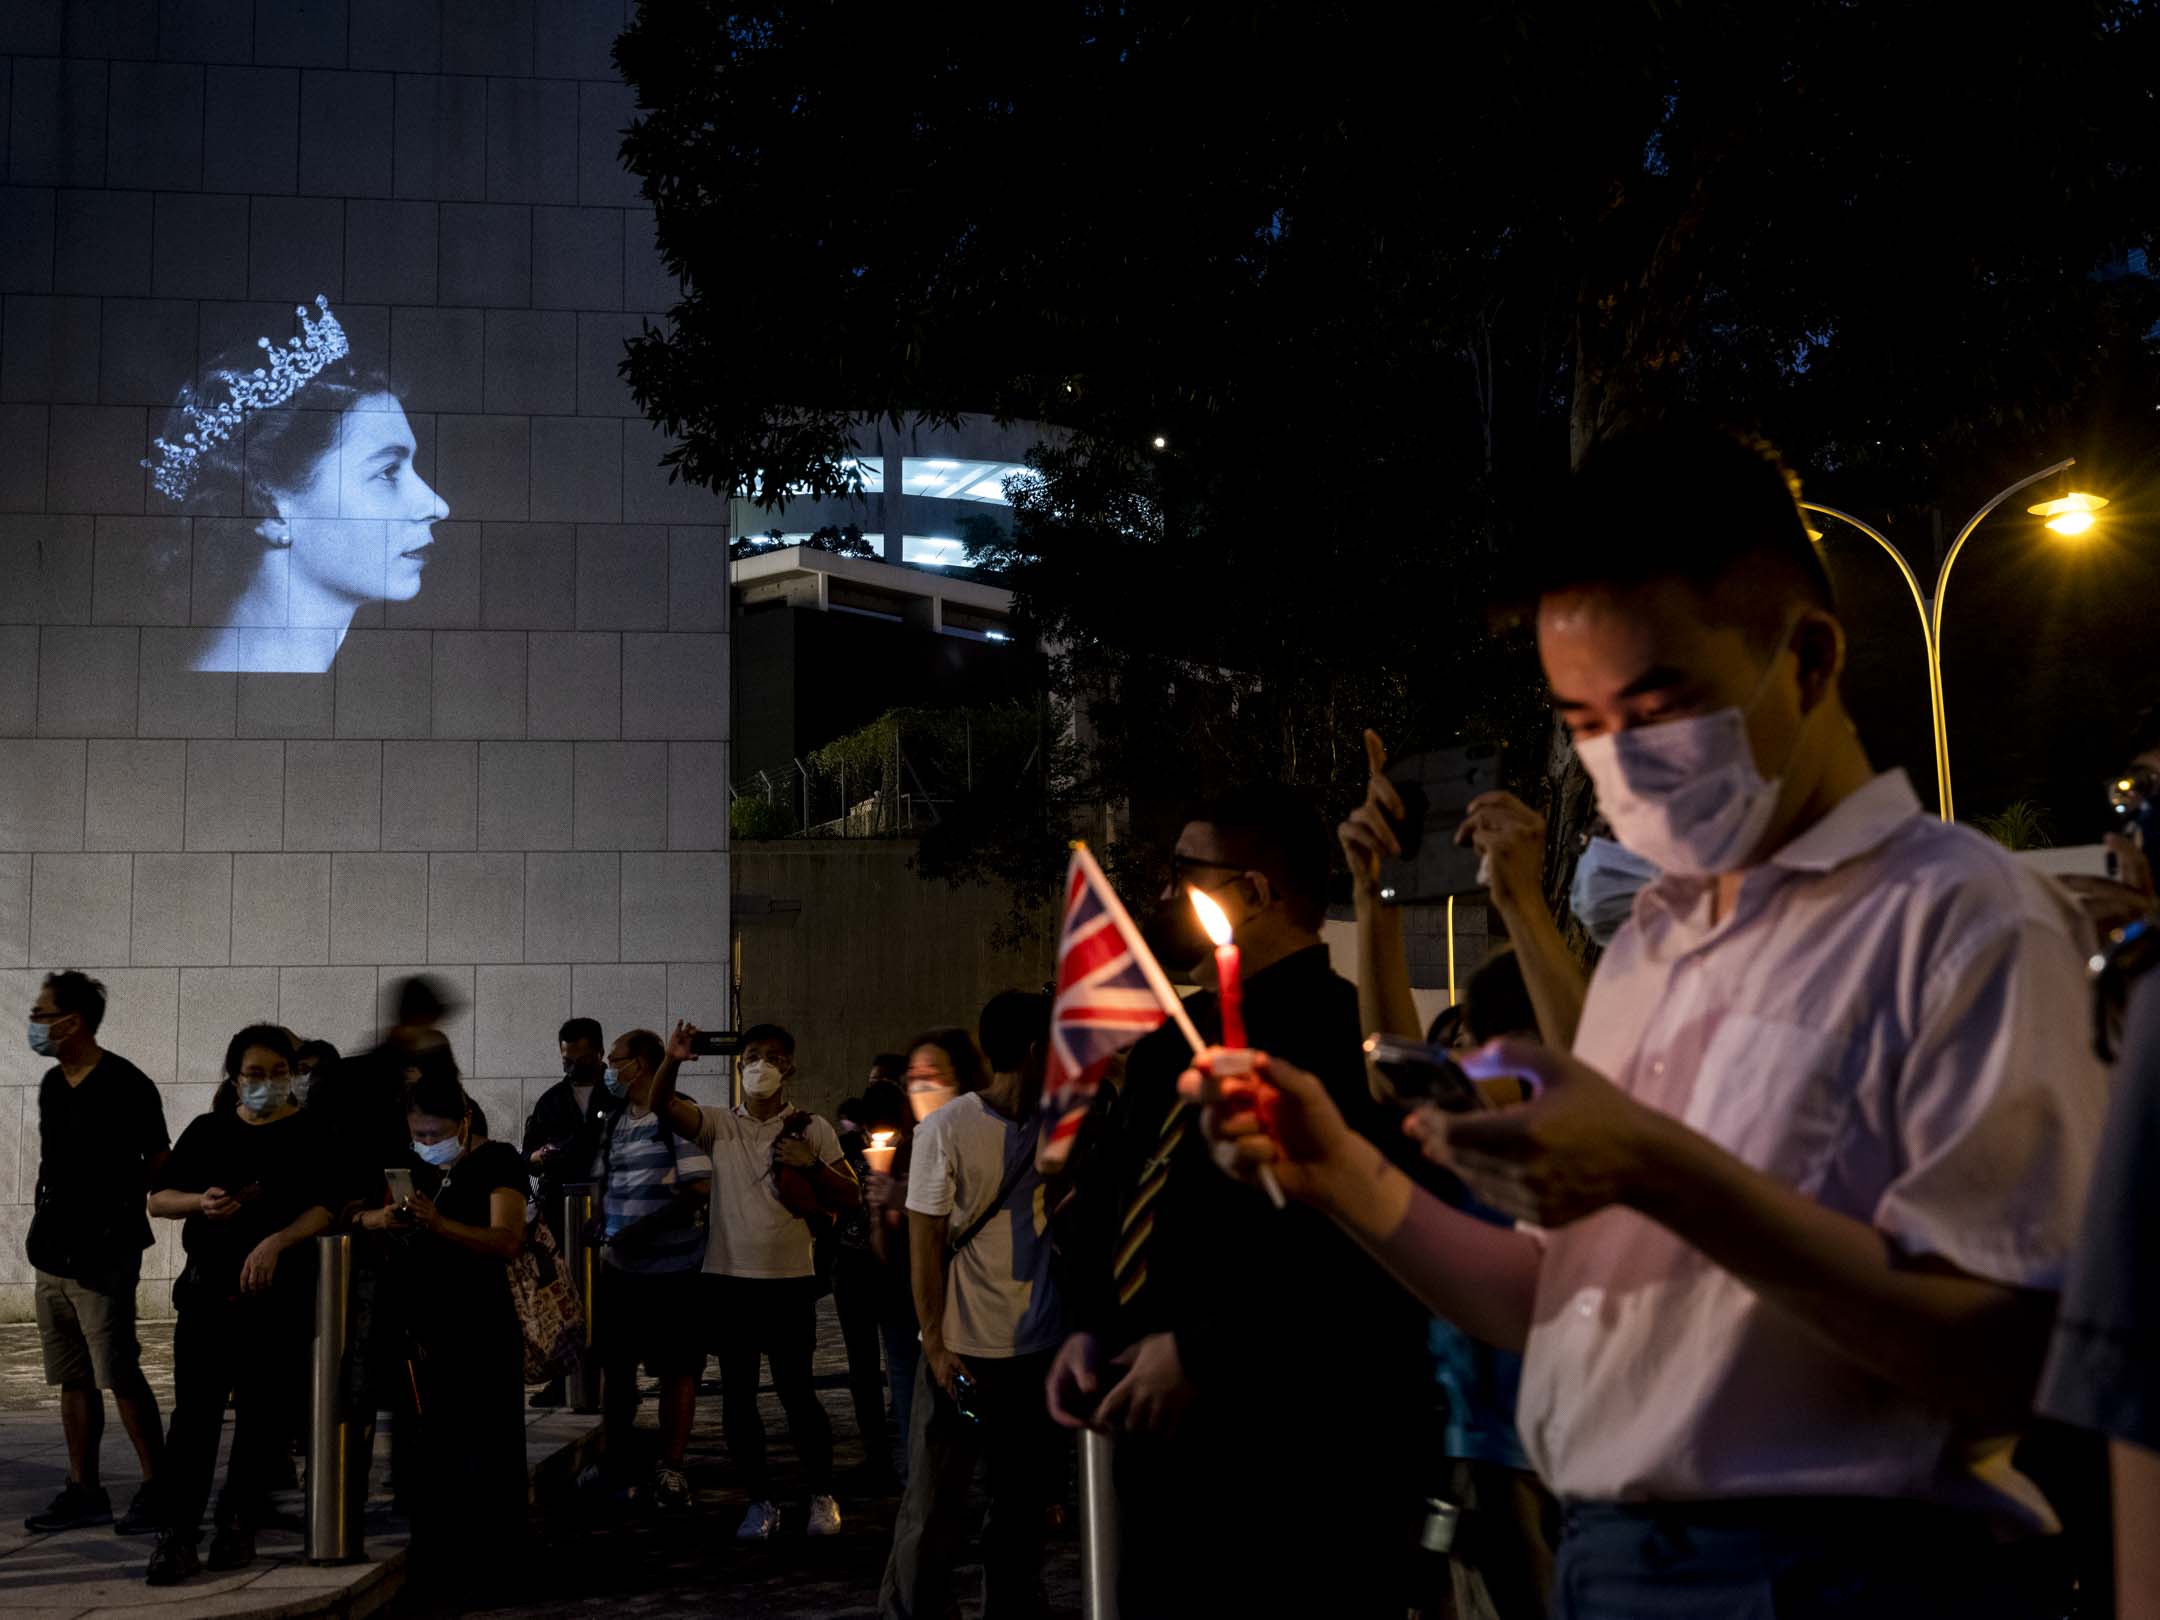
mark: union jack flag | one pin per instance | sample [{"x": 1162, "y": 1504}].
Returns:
[{"x": 1110, "y": 992}]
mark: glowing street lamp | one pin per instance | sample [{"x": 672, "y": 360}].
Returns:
[{"x": 2069, "y": 515}]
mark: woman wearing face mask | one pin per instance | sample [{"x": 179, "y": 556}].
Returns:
[
  {"x": 253, "y": 1180},
  {"x": 464, "y": 1474},
  {"x": 885, "y": 1109}
]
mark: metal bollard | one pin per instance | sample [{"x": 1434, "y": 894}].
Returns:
[
  {"x": 337, "y": 1464},
  {"x": 584, "y": 1262},
  {"x": 1098, "y": 1529}
]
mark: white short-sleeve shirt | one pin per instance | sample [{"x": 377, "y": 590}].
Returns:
[
  {"x": 999, "y": 1297},
  {"x": 751, "y": 1233},
  {"x": 1893, "y": 1021}
]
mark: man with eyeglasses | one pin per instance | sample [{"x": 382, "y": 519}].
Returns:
[{"x": 1197, "y": 1299}]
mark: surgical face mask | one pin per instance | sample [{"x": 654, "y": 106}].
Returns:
[
  {"x": 616, "y": 1084},
  {"x": 263, "y": 1096},
  {"x": 41, "y": 1040},
  {"x": 300, "y": 1084},
  {"x": 926, "y": 1097},
  {"x": 760, "y": 1078},
  {"x": 1607, "y": 878},
  {"x": 439, "y": 1154},
  {"x": 1686, "y": 795}
]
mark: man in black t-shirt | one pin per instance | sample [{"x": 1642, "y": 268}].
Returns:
[{"x": 101, "y": 1129}]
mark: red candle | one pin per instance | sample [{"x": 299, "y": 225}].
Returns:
[{"x": 1229, "y": 985}]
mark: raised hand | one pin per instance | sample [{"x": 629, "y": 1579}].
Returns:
[{"x": 1368, "y": 833}]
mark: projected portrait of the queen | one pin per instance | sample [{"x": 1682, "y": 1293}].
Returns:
[{"x": 318, "y": 455}]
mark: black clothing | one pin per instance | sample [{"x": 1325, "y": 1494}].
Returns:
[
  {"x": 1303, "y": 1353},
  {"x": 573, "y": 1133},
  {"x": 94, "y": 1141},
  {"x": 279, "y": 1170},
  {"x": 774, "y": 1318},
  {"x": 362, "y": 1100},
  {"x": 858, "y": 1283}
]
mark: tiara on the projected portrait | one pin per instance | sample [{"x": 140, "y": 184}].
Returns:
[{"x": 291, "y": 366}]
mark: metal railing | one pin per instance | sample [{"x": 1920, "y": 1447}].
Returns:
[
  {"x": 1098, "y": 1528},
  {"x": 337, "y": 1468},
  {"x": 583, "y": 1258}
]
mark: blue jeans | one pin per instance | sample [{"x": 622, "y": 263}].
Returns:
[
  {"x": 1793, "y": 1559},
  {"x": 903, "y": 1351}
]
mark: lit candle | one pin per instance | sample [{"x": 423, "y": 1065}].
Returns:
[
  {"x": 879, "y": 1154},
  {"x": 1230, "y": 1002}
]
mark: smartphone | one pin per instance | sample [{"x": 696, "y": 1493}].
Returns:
[
  {"x": 1436, "y": 789},
  {"x": 716, "y": 1043},
  {"x": 1424, "y": 1073},
  {"x": 401, "y": 1187}
]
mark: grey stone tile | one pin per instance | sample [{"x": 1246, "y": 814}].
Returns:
[
  {"x": 625, "y": 996},
  {"x": 135, "y": 794},
  {"x": 335, "y": 1004},
  {"x": 454, "y": 983},
  {"x": 525, "y": 795},
  {"x": 182, "y": 914},
  {"x": 441, "y": 139},
  {"x": 56, "y": 123},
  {"x": 574, "y": 39},
  {"x": 26, "y": 239},
  {"x": 155, "y": 138},
  {"x": 148, "y": 351},
  {"x": 281, "y": 909},
  {"x": 31, "y": 28},
  {"x": 79, "y": 907},
  {"x": 532, "y": 151},
  {"x": 697, "y": 797},
  {"x": 431, "y": 793},
  {"x": 25, "y": 432},
  {"x": 488, "y": 36},
  {"x": 435, "y": 359},
  {"x": 573, "y": 907},
  {"x": 648, "y": 284},
  {"x": 300, "y": 33},
  {"x": 605, "y": 111},
  {"x": 297, "y": 248},
  {"x": 288, "y": 705},
  {"x": 390, "y": 252},
  {"x": 622, "y": 577},
  {"x": 235, "y": 795},
  {"x": 215, "y": 1001},
  {"x": 577, "y": 258},
  {"x": 86, "y": 681},
  {"x": 174, "y": 699},
  {"x": 602, "y": 388},
  {"x": 230, "y": 554},
  {"x": 449, "y": 596},
  {"x": 378, "y": 907},
  {"x": 516, "y": 1012},
  {"x": 385, "y": 684},
  {"x": 697, "y": 578},
  {"x": 577, "y": 472},
  {"x": 14, "y": 953},
  {"x": 125, "y": 29},
  {"x": 41, "y": 793},
  {"x": 648, "y": 494},
  {"x": 102, "y": 243},
  {"x": 201, "y": 247},
  {"x": 576, "y": 685},
  {"x": 528, "y": 576},
  {"x": 679, "y": 904},
  {"x": 399, "y": 36},
  {"x": 485, "y": 465},
  {"x": 143, "y": 564},
  {"x": 476, "y": 908},
  {"x": 487, "y": 254},
  {"x": 48, "y": 561},
  {"x": 622, "y": 795},
  {"x": 50, "y": 350},
  {"x": 345, "y": 124},
  {"x": 206, "y": 31},
  {"x": 675, "y": 685},
  {"x": 95, "y": 463},
  {"x": 334, "y": 795},
  {"x": 251, "y": 137},
  {"x": 18, "y": 680},
  {"x": 479, "y": 683},
  {"x": 142, "y": 1020},
  {"x": 531, "y": 365}
]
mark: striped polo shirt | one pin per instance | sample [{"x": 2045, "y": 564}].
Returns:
[{"x": 643, "y": 1164}]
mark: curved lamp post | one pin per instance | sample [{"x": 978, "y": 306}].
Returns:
[{"x": 2070, "y": 515}]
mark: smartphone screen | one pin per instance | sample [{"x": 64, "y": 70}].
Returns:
[
  {"x": 401, "y": 1187},
  {"x": 1419, "y": 1072}
]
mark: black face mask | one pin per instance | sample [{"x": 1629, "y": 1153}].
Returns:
[{"x": 1175, "y": 936}]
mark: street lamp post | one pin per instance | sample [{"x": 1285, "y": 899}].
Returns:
[{"x": 1930, "y": 606}]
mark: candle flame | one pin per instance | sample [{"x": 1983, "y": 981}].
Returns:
[
  {"x": 881, "y": 1139},
  {"x": 1211, "y": 917}
]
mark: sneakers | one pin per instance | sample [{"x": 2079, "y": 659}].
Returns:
[
  {"x": 75, "y": 1506},
  {"x": 671, "y": 1491},
  {"x": 824, "y": 1517},
  {"x": 143, "y": 1515},
  {"x": 233, "y": 1547},
  {"x": 758, "y": 1523},
  {"x": 174, "y": 1560}
]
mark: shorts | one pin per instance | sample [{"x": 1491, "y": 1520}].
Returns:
[
  {"x": 87, "y": 1330},
  {"x": 649, "y": 1317}
]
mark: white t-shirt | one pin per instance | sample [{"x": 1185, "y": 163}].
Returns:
[
  {"x": 751, "y": 1233},
  {"x": 999, "y": 1300}
]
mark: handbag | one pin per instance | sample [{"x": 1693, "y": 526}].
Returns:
[{"x": 550, "y": 1314}]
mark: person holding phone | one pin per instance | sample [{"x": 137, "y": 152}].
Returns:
[{"x": 252, "y": 1183}]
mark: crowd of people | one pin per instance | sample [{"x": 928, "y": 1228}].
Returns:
[{"x": 1726, "y": 1286}]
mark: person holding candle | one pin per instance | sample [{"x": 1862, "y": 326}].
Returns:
[
  {"x": 1804, "y": 1191},
  {"x": 1197, "y": 1303},
  {"x": 858, "y": 1278},
  {"x": 891, "y": 1124}
]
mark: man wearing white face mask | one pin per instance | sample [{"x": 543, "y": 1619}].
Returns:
[
  {"x": 1804, "y": 1192},
  {"x": 771, "y": 1167}
]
